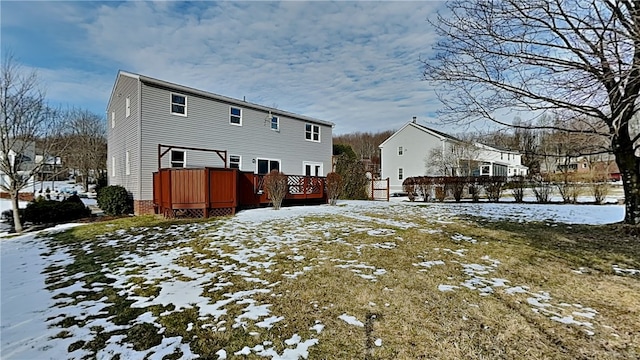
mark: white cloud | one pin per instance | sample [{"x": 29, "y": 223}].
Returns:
[{"x": 353, "y": 63}]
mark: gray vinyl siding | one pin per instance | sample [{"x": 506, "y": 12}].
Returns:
[
  {"x": 125, "y": 135},
  {"x": 207, "y": 126}
]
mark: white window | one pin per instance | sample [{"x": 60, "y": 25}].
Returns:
[
  {"x": 312, "y": 168},
  {"x": 127, "y": 163},
  {"x": 400, "y": 174},
  {"x": 275, "y": 123},
  {"x": 264, "y": 166},
  {"x": 584, "y": 165},
  {"x": 178, "y": 158},
  {"x": 234, "y": 161},
  {"x": 113, "y": 166},
  {"x": 127, "y": 110},
  {"x": 178, "y": 104},
  {"x": 312, "y": 132},
  {"x": 400, "y": 150},
  {"x": 235, "y": 116},
  {"x": 113, "y": 119}
]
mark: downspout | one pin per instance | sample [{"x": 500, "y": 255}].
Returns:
[{"x": 139, "y": 172}]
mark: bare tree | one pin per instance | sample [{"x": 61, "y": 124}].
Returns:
[
  {"x": 576, "y": 59},
  {"x": 439, "y": 162},
  {"x": 87, "y": 145},
  {"x": 25, "y": 119},
  {"x": 275, "y": 183},
  {"x": 455, "y": 159},
  {"x": 334, "y": 187}
]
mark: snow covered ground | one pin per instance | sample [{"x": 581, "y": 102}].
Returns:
[{"x": 233, "y": 249}]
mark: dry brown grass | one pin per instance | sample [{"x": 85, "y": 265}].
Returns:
[{"x": 414, "y": 319}]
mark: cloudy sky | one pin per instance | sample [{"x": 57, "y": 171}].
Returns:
[{"x": 356, "y": 64}]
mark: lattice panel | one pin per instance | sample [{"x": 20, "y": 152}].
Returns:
[
  {"x": 188, "y": 213},
  {"x": 380, "y": 194},
  {"x": 221, "y": 211},
  {"x": 378, "y": 189},
  {"x": 296, "y": 184}
]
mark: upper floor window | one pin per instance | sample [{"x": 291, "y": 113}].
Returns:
[
  {"x": 234, "y": 161},
  {"x": 113, "y": 119},
  {"x": 178, "y": 158},
  {"x": 127, "y": 110},
  {"x": 275, "y": 123},
  {"x": 178, "y": 104},
  {"x": 235, "y": 116},
  {"x": 400, "y": 150},
  {"x": 312, "y": 132}
]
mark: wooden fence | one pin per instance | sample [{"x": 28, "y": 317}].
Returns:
[{"x": 205, "y": 192}]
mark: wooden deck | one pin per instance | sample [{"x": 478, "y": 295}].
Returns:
[{"x": 205, "y": 192}]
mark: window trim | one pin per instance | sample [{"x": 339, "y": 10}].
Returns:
[
  {"x": 232, "y": 115},
  {"x": 400, "y": 151},
  {"x": 127, "y": 108},
  {"x": 113, "y": 119},
  {"x": 113, "y": 166},
  {"x": 239, "y": 162},
  {"x": 171, "y": 104},
  {"x": 312, "y": 164},
  {"x": 400, "y": 173},
  {"x": 277, "y": 128},
  {"x": 269, "y": 160},
  {"x": 311, "y": 132},
  {"x": 127, "y": 163},
  {"x": 184, "y": 158}
]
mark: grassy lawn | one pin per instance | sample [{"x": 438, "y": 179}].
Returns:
[{"x": 388, "y": 282}]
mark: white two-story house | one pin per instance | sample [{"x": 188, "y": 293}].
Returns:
[
  {"x": 406, "y": 154},
  {"x": 144, "y": 112}
]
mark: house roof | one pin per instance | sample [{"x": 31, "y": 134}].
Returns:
[
  {"x": 496, "y": 148},
  {"x": 210, "y": 95},
  {"x": 436, "y": 133},
  {"x": 439, "y": 133}
]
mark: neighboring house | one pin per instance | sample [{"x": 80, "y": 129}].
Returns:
[
  {"x": 406, "y": 154},
  {"x": 144, "y": 112},
  {"x": 596, "y": 165},
  {"x": 51, "y": 169},
  {"x": 23, "y": 161},
  {"x": 499, "y": 162}
]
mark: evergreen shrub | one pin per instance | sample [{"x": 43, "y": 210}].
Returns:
[{"x": 115, "y": 200}]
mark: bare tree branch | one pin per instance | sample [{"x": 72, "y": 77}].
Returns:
[{"x": 576, "y": 60}]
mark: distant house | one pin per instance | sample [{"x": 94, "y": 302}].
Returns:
[
  {"x": 597, "y": 165},
  {"x": 144, "y": 112},
  {"x": 500, "y": 162},
  {"x": 51, "y": 168},
  {"x": 406, "y": 154},
  {"x": 19, "y": 158}
]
